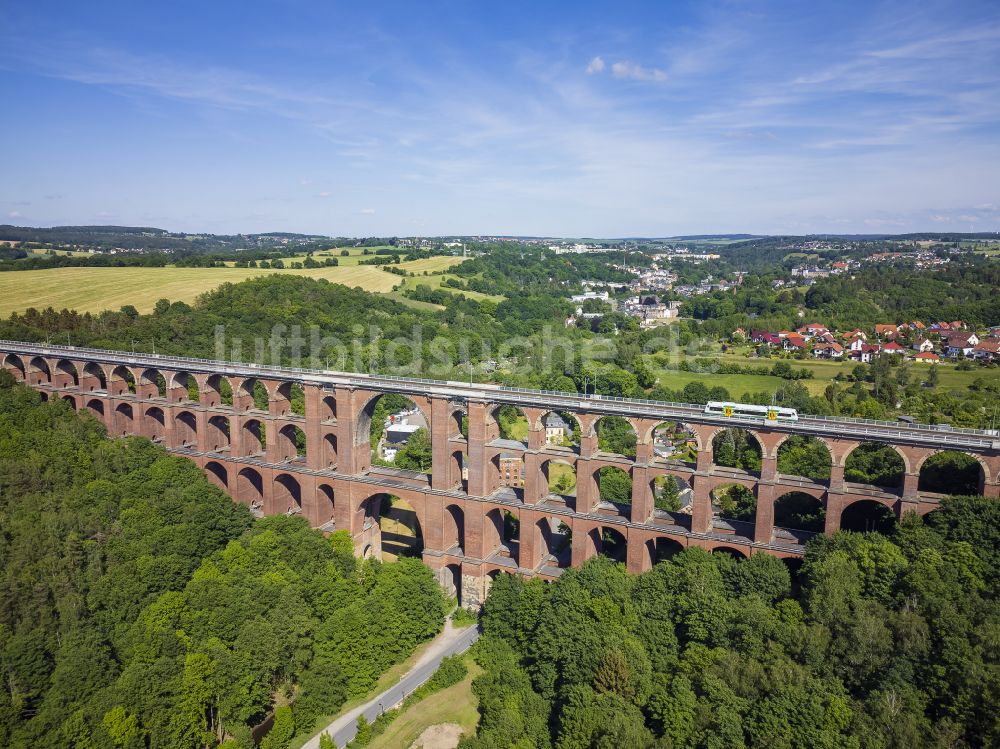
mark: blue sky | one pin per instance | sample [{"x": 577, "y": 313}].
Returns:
[{"x": 553, "y": 118}]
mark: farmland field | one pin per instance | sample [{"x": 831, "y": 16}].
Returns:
[{"x": 96, "y": 289}]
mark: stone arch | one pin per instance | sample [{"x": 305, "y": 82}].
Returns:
[
  {"x": 155, "y": 424},
  {"x": 287, "y": 494},
  {"x": 400, "y": 530},
  {"x": 218, "y": 432},
  {"x": 38, "y": 370},
  {"x": 734, "y": 501},
  {"x": 13, "y": 364},
  {"x": 458, "y": 426},
  {"x": 608, "y": 542},
  {"x": 499, "y": 531},
  {"x": 215, "y": 390},
  {"x": 389, "y": 419},
  {"x": 185, "y": 428},
  {"x": 672, "y": 441},
  {"x": 508, "y": 422},
  {"x": 96, "y": 407},
  {"x": 733, "y": 552},
  {"x": 152, "y": 378},
  {"x": 94, "y": 371},
  {"x": 616, "y": 435},
  {"x": 67, "y": 368},
  {"x": 326, "y": 505},
  {"x": 71, "y": 399},
  {"x": 554, "y": 541},
  {"x": 217, "y": 474},
  {"x": 44, "y": 397},
  {"x": 124, "y": 419},
  {"x": 799, "y": 511},
  {"x": 250, "y": 490},
  {"x": 952, "y": 472},
  {"x": 612, "y": 486},
  {"x": 453, "y": 528},
  {"x": 330, "y": 450},
  {"x": 670, "y": 492},
  {"x": 559, "y": 477},
  {"x": 451, "y": 578},
  {"x": 328, "y": 408},
  {"x": 867, "y": 516},
  {"x": 254, "y": 437},
  {"x": 122, "y": 380},
  {"x": 801, "y": 455},
  {"x": 287, "y": 398},
  {"x": 291, "y": 443},
  {"x": 735, "y": 447},
  {"x": 456, "y": 469},
  {"x": 186, "y": 384},
  {"x": 662, "y": 548},
  {"x": 251, "y": 395},
  {"x": 876, "y": 464},
  {"x": 561, "y": 429}
]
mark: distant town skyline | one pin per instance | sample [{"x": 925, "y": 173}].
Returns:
[{"x": 556, "y": 119}]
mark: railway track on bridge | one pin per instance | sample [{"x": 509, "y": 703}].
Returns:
[{"x": 923, "y": 435}]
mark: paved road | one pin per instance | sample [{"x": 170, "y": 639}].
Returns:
[{"x": 449, "y": 642}]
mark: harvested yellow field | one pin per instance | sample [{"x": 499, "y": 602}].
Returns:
[
  {"x": 431, "y": 264},
  {"x": 97, "y": 289}
]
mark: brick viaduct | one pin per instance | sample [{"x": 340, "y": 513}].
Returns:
[{"x": 251, "y": 453}]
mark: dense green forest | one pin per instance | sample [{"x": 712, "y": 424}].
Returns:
[
  {"x": 140, "y": 607},
  {"x": 876, "y": 643}
]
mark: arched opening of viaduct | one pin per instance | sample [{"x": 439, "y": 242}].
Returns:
[{"x": 501, "y": 481}]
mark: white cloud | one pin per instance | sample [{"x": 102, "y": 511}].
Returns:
[
  {"x": 367, "y": 211},
  {"x": 636, "y": 72},
  {"x": 596, "y": 65},
  {"x": 324, "y": 194},
  {"x": 14, "y": 214}
]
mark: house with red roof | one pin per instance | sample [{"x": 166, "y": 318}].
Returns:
[
  {"x": 923, "y": 345},
  {"x": 762, "y": 336},
  {"x": 987, "y": 350},
  {"x": 829, "y": 350},
  {"x": 883, "y": 330},
  {"x": 927, "y": 357},
  {"x": 891, "y": 348},
  {"x": 864, "y": 353},
  {"x": 794, "y": 342}
]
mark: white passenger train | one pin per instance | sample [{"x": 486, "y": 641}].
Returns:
[{"x": 746, "y": 411}]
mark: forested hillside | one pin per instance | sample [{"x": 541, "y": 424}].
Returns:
[
  {"x": 139, "y": 607},
  {"x": 880, "y": 642}
]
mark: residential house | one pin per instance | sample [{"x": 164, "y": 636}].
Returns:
[
  {"x": 960, "y": 343},
  {"x": 556, "y": 429},
  {"x": 886, "y": 331},
  {"x": 794, "y": 342},
  {"x": 511, "y": 470},
  {"x": 891, "y": 348},
  {"x": 762, "y": 336},
  {"x": 927, "y": 357},
  {"x": 828, "y": 351},
  {"x": 923, "y": 345},
  {"x": 864, "y": 353},
  {"x": 987, "y": 350},
  {"x": 813, "y": 329}
]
